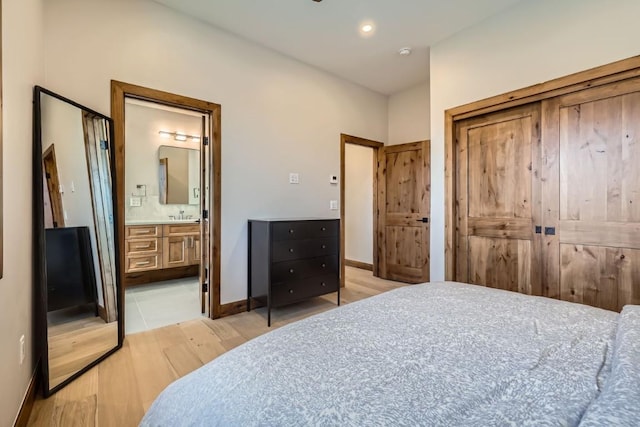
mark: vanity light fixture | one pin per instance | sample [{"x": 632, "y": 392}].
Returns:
[{"x": 179, "y": 136}]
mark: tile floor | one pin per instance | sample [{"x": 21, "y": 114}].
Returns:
[{"x": 161, "y": 304}]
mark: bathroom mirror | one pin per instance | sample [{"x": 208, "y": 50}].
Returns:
[
  {"x": 76, "y": 264},
  {"x": 179, "y": 175}
]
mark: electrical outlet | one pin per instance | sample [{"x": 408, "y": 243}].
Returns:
[
  {"x": 135, "y": 201},
  {"x": 333, "y": 205},
  {"x": 23, "y": 353},
  {"x": 294, "y": 178}
]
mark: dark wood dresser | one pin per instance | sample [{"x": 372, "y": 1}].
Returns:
[{"x": 291, "y": 260}]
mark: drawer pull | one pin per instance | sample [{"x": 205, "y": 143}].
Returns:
[
  {"x": 323, "y": 284},
  {"x": 291, "y": 270},
  {"x": 290, "y": 291},
  {"x": 291, "y": 250},
  {"x": 143, "y": 247},
  {"x": 291, "y": 231},
  {"x": 143, "y": 262},
  {"x": 324, "y": 265},
  {"x": 324, "y": 246},
  {"x": 324, "y": 229}
]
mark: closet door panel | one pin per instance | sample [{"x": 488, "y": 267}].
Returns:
[
  {"x": 599, "y": 276},
  {"x": 498, "y": 161},
  {"x": 598, "y": 180},
  {"x": 500, "y": 263}
]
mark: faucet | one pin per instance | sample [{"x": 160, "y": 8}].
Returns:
[{"x": 181, "y": 215}]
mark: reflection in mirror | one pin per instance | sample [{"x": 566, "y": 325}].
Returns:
[
  {"x": 79, "y": 243},
  {"x": 179, "y": 171}
]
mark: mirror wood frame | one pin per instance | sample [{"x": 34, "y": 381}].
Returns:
[
  {"x": 39, "y": 258},
  {"x": 119, "y": 92}
]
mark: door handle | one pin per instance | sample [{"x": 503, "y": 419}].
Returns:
[{"x": 423, "y": 220}]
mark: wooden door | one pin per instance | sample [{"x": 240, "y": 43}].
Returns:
[
  {"x": 403, "y": 212},
  {"x": 195, "y": 252},
  {"x": 53, "y": 185},
  {"x": 592, "y": 195},
  {"x": 498, "y": 194},
  {"x": 175, "y": 252}
]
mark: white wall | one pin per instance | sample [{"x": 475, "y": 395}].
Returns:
[
  {"x": 278, "y": 115},
  {"x": 358, "y": 206},
  {"x": 142, "y": 125},
  {"x": 528, "y": 44},
  {"x": 409, "y": 113},
  {"x": 22, "y": 67}
]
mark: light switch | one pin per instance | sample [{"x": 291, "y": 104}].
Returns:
[
  {"x": 333, "y": 205},
  {"x": 294, "y": 178},
  {"x": 333, "y": 179},
  {"x": 135, "y": 201}
]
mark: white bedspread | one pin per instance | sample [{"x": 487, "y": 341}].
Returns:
[{"x": 437, "y": 354}]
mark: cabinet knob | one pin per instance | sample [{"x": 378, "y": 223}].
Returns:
[
  {"x": 291, "y": 270},
  {"x": 324, "y": 246},
  {"x": 324, "y": 229},
  {"x": 323, "y": 284},
  {"x": 291, "y": 231},
  {"x": 324, "y": 265},
  {"x": 290, "y": 291},
  {"x": 291, "y": 250}
]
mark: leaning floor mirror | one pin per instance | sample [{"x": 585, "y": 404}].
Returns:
[{"x": 76, "y": 264}]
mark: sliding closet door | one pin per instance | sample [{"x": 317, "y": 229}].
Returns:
[
  {"x": 498, "y": 194},
  {"x": 592, "y": 196}
]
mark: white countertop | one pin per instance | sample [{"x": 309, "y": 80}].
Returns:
[{"x": 160, "y": 221}]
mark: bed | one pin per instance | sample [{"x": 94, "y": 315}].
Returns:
[{"x": 437, "y": 354}]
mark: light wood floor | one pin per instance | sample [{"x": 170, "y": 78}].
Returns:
[
  {"x": 119, "y": 390},
  {"x": 75, "y": 344}
]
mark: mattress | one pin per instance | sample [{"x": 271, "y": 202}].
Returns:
[{"x": 436, "y": 354}]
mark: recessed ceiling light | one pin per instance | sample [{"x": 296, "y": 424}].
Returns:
[
  {"x": 405, "y": 51},
  {"x": 367, "y": 28}
]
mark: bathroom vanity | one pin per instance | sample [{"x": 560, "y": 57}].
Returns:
[{"x": 161, "y": 251}]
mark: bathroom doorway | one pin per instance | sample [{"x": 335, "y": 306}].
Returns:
[{"x": 167, "y": 166}]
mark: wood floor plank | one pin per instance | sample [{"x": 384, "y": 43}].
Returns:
[
  {"x": 203, "y": 341},
  {"x": 119, "y": 402},
  {"x": 119, "y": 390},
  {"x": 150, "y": 366}
]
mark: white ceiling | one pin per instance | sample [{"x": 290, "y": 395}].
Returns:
[{"x": 326, "y": 34}]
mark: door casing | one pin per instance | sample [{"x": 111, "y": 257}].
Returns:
[
  {"x": 120, "y": 91},
  {"x": 375, "y": 145}
]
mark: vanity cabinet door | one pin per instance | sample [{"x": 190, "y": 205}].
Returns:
[
  {"x": 194, "y": 249},
  {"x": 175, "y": 252}
]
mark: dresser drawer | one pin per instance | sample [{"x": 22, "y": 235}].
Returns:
[
  {"x": 301, "y": 269},
  {"x": 143, "y": 263},
  {"x": 140, "y": 231},
  {"x": 141, "y": 245},
  {"x": 286, "y": 250},
  {"x": 297, "y": 290},
  {"x": 305, "y": 229}
]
